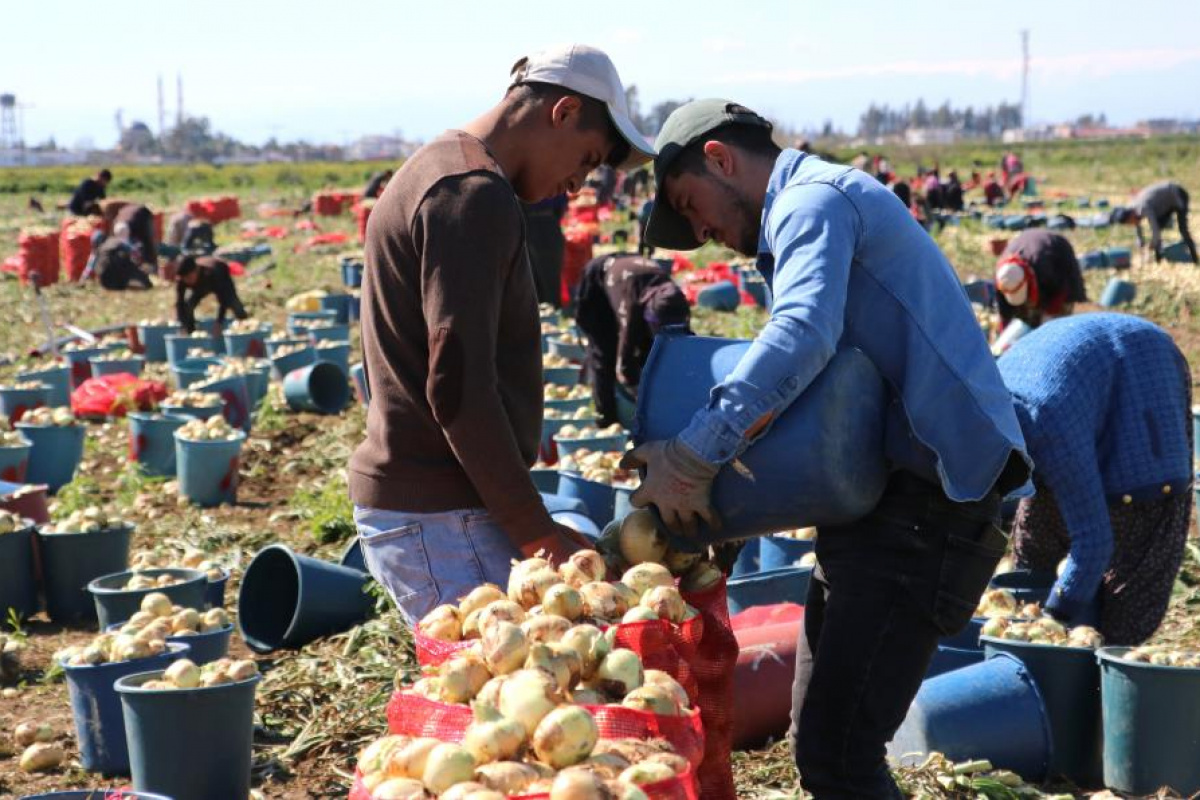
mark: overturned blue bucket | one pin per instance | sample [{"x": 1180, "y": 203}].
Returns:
[
  {"x": 154, "y": 340},
  {"x": 59, "y": 381},
  {"x": 339, "y": 304},
  {"x": 16, "y": 403},
  {"x": 783, "y": 585},
  {"x": 336, "y": 353},
  {"x": 288, "y": 600},
  {"x": 947, "y": 659},
  {"x": 598, "y": 497},
  {"x": 131, "y": 366},
  {"x": 152, "y": 441},
  {"x": 720, "y": 296},
  {"x": 361, "y": 389},
  {"x": 319, "y": 387},
  {"x": 991, "y": 710},
  {"x": 250, "y": 344},
  {"x": 99, "y": 724},
  {"x": 14, "y": 462},
  {"x": 782, "y": 551},
  {"x": 56, "y": 453},
  {"x": 180, "y": 346},
  {"x": 282, "y": 365},
  {"x": 208, "y": 471},
  {"x": 235, "y": 393},
  {"x": 1118, "y": 293}
]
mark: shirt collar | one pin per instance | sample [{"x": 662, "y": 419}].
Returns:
[{"x": 781, "y": 173}]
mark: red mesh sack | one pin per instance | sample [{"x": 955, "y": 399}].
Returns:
[
  {"x": 410, "y": 714},
  {"x": 38, "y": 253},
  {"x": 325, "y": 204},
  {"x": 682, "y": 787},
  {"x": 75, "y": 245},
  {"x": 113, "y": 395}
]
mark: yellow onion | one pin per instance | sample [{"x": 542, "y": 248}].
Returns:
[
  {"x": 619, "y": 673},
  {"x": 1030, "y": 611},
  {"x": 644, "y": 577},
  {"x": 490, "y": 693},
  {"x": 647, "y": 772},
  {"x": 40, "y": 757},
  {"x": 678, "y": 764},
  {"x": 1085, "y": 636},
  {"x": 626, "y": 791},
  {"x": 656, "y": 677},
  {"x": 141, "y": 619},
  {"x": 579, "y": 783},
  {"x": 654, "y": 699},
  {"x": 703, "y": 576},
  {"x": 183, "y": 674},
  {"x": 399, "y": 789},
  {"x": 628, "y": 596},
  {"x": 157, "y": 603},
  {"x": 372, "y": 779},
  {"x": 589, "y": 643},
  {"x": 492, "y": 737},
  {"x": 666, "y": 602},
  {"x": 28, "y": 733},
  {"x": 639, "y": 614},
  {"x": 527, "y": 696},
  {"x": 565, "y": 736},
  {"x": 242, "y": 670},
  {"x": 563, "y": 601},
  {"x": 470, "y": 625},
  {"x": 507, "y": 777},
  {"x": 428, "y": 687},
  {"x": 462, "y": 678},
  {"x": 447, "y": 765},
  {"x": 583, "y": 566},
  {"x": 602, "y": 600},
  {"x": 443, "y": 623},
  {"x": 500, "y": 611},
  {"x": 569, "y": 657},
  {"x": 543, "y": 658},
  {"x": 186, "y": 620},
  {"x": 409, "y": 760},
  {"x": 639, "y": 540},
  {"x": 480, "y": 597},
  {"x": 545, "y": 628},
  {"x": 607, "y": 765},
  {"x": 527, "y": 587},
  {"x": 374, "y": 757},
  {"x": 680, "y": 561},
  {"x": 995, "y": 626},
  {"x": 504, "y": 648},
  {"x": 464, "y": 791},
  {"x": 586, "y": 696}
]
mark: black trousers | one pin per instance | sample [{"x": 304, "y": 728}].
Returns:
[{"x": 887, "y": 587}]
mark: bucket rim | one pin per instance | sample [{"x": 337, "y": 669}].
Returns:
[
  {"x": 97, "y": 794},
  {"x": 769, "y": 574},
  {"x": 1109, "y": 655},
  {"x": 1036, "y": 645},
  {"x": 124, "y": 526},
  {"x": 193, "y": 576},
  {"x": 241, "y": 437},
  {"x": 124, "y": 685},
  {"x": 173, "y": 648},
  {"x": 576, "y": 476},
  {"x": 28, "y": 444},
  {"x": 35, "y": 373},
  {"x": 159, "y": 416},
  {"x": 253, "y": 642},
  {"x": 40, "y": 426},
  {"x": 42, "y": 388},
  {"x": 583, "y": 441},
  {"x": 183, "y": 638}
]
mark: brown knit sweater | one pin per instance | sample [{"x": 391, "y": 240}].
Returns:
[{"x": 451, "y": 344}]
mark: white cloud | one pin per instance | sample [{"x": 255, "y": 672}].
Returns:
[{"x": 723, "y": 44}]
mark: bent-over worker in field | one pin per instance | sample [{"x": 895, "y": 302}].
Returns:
[
  {"x": 624, "y": 300},
  {"x": 1104, "y": 401},
  {"x": 86, "y": 198},
  {"x": 196, "y": 278},
  {"x": 452, "y": 339},
  {"x": 1038, "y": 278},
  {"x": 848, "y": 266},
  {"x": 138, "y": 222},
  {"x": 117, "y": 263},
  {"x": 1156, "y": 204}
]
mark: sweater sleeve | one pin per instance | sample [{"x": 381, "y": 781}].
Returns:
[{"x": 470, "y": 230}]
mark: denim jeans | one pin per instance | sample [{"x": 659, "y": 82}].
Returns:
[
  {"x": 887, "y": 587},
  {"x": 424, "y": 560}
]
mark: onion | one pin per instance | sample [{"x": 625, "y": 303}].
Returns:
[
  {"x": 572, "y": 660},
  {"x": 526, "y": 588},
  {"x": 563, "y": 601},
  {"x": 490, "y": 693},
  {"x": 666, "y": 602},
  {"x": 183, "y": 674},
  {"x": 602, "y": 600},
  {"x": 141, "y": 619},
  {"x": 589, "y": 643},
  {"x": 462, "y": 678},
  {"x": 374, "y": 757},
  {"x": 527, "y": 696},
  {"x": 656, "y": 677},
  {"x": 619, "y": 673},
  {"x": 242, "y": 670},
  {"x": 430, "y": 687},
  {"x": 644, "y": 577},
  {"x": 492, "y": 737},
  {"x": 504, "y": 648},
  {"x": 28, "y": 733},
  {"x": 507, "y": 777},
  {"x": 399, "y": 789},
  {"x": 628, "y": 596},
  {"x": 579, "y": 783},
  {"x": 655, "y": 699},
  {"x": 673, "y": 760},
  {"x": 186, "y": 620},
  {"x": 703, "y": 576},
  {"x": 463, "y": 791},
  {"x": 1085, "y": 636},
  {"x": 500, "y": 611},
  {"x": 543, "y": 658},
  {"x": 583, "y": 566},
  {"x": 480, "y": 597},
  {"x": 545, "y": 628},
  {"x": 565, "y": 736},
  {"x": 680, "y": 561},
  {"x": 40, "y": 757},
  {"x": 584, "y": 696},
  {"x": 639, "y": 540},
  {"x": 647, "y": 772},
  {"x": 627, "y": 791},
  {"x": 470, "y": 624},
  {"x": 443, "y": 623},
  {"x": 447, "y": 765},
  {"x": 409, "y": 761},
  {"x": 639, "y": 614},
  {"x": 606, "y": 765},
  {"x": 157, "y": 603},
  {"x": 995, "y": 626}
]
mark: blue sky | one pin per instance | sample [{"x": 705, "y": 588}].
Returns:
[{"x": 334, "y": 70}]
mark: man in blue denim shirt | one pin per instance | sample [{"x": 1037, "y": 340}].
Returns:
[{"x": 848, "y": 266}]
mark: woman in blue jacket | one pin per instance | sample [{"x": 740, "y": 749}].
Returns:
[{"x": 1104, "y": 402}]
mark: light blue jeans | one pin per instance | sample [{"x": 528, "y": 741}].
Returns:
[{"x": 424, "y": 560}]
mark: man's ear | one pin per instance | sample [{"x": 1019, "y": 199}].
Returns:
[
  {"x": 562, "y": 111},
  {"x": 720, "y": 157}
]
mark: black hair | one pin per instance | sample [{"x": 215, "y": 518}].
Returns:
[
  {"x": 105, "y": 175},
  {"x": 187, "y": 265},
  {"x": 753, "y": 139},
  {"x": 593, "y": 115}
]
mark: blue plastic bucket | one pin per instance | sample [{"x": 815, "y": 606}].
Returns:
[
  {"x": 598, "y": 497},
  {"x": 1151, "y": 721},
  {"x": 16, "y": 403},
  {"x": 747, "y": 562},
  {"x": 56, "y": 453},
  {"x": 18, "y": 586},
  {"x": 557, "y": 502},
  {"x": 154, "y": 340},
  {"x": 567, "y": 405},
  {"x": 578, "y": 523},
  {"x": 152, "y": 441},
  {"x": 319, "y": 387},
  {"x": 1118, "y": 293},
  {"x": 208, "y": 471},
  {"x": 115, "y": 603},
  {"x": 59, "y": 381},
  {"x": 352, "y": 556},
  {"x": 1068, "y": 679},
  {"x": 251, "y": 344},
  {"x": 759, "y": 291},
  {"x": 614, "y": 443},
  {"x": 355, "y": 308},
  {"x": 783, "y": 585},
  {"x": 191, "y": 412},
  {"x": 551, "y": 427},
  {"x": 1177, "y": 253},
  {"x": 282, "y": 365},
  {"x": 720, "y": 296},
  {"x": 14, "y": 462},
  {"x": 78, "y": 361},
  {"x": 187, "y": 371},
  {"x": 99, "y": 724},
  {"x": 352, "y": 273},
  {"x": 70, "y": 561},
  {"x": 132, "y": 365},
  {"x": 164, "y": 727},
  {"x": 329, "y": 333},
  {"x": 1119, "y": 257},
  {"x": 205, "y": 647},
  {"x": 235, "y": 393},
  {"x": 1027, "y": 586},
  {"x": 180, "y": 347},
  {"x": 780, "y": 551},
  {"x": 274, "y": 345},
  {"x": 545, "y": 479},
  {"x": 361, "y": 390},
  {"x": 991, "y": 710},
  {"x": 214, "y": 594},
  {"x": 572, "y": 351},
  {"x": 626, "y": 408},
  {"x": 838, "y": 423},
  {"x": 562, "y": 376},
  {"x": 287, "y": 600},
  {"x": 622, "y": 502},
  {"x": 258, "y": 380},
  {"x": 1093, "y": 260},
  {"x": 97, "y": 794},
  {"x": 968, "y": 637},
  {"x": 339, "y": 356},
  {"x": 339, "y": 304},
  {"x": 297, "y": 321},
  {"x": 947, "y": 659}
]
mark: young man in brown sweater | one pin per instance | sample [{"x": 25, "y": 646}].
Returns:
[{"x": 451, "y": 337}]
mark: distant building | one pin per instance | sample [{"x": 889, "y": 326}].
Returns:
[
  {"x": 16, "y": 157},
  {"x": 380, "y": 148},
  {"x": 922, "y": 136}
]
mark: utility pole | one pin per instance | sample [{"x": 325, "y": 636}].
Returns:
[
  {"x": 179, "y": 100},
  {"x": 1026, "y": 121},
  {"x": 162, "y": 109}
]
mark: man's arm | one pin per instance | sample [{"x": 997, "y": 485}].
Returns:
[
  {"x": 183, "y": 309},
  {"x": 227, "y": 296},
  {"x": 813, "y": 231}
]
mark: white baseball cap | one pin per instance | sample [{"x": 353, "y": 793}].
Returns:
[
  {"x": 590, "y": 72},
  {"x": 1012, "y": 283}
]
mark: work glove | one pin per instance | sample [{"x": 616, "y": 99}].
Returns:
[
  {"x": 677, "y": 481},
  {"x": 1073, "y": 613}
]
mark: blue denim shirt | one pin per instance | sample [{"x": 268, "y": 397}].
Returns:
[{"x": 849, "y": 266}]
